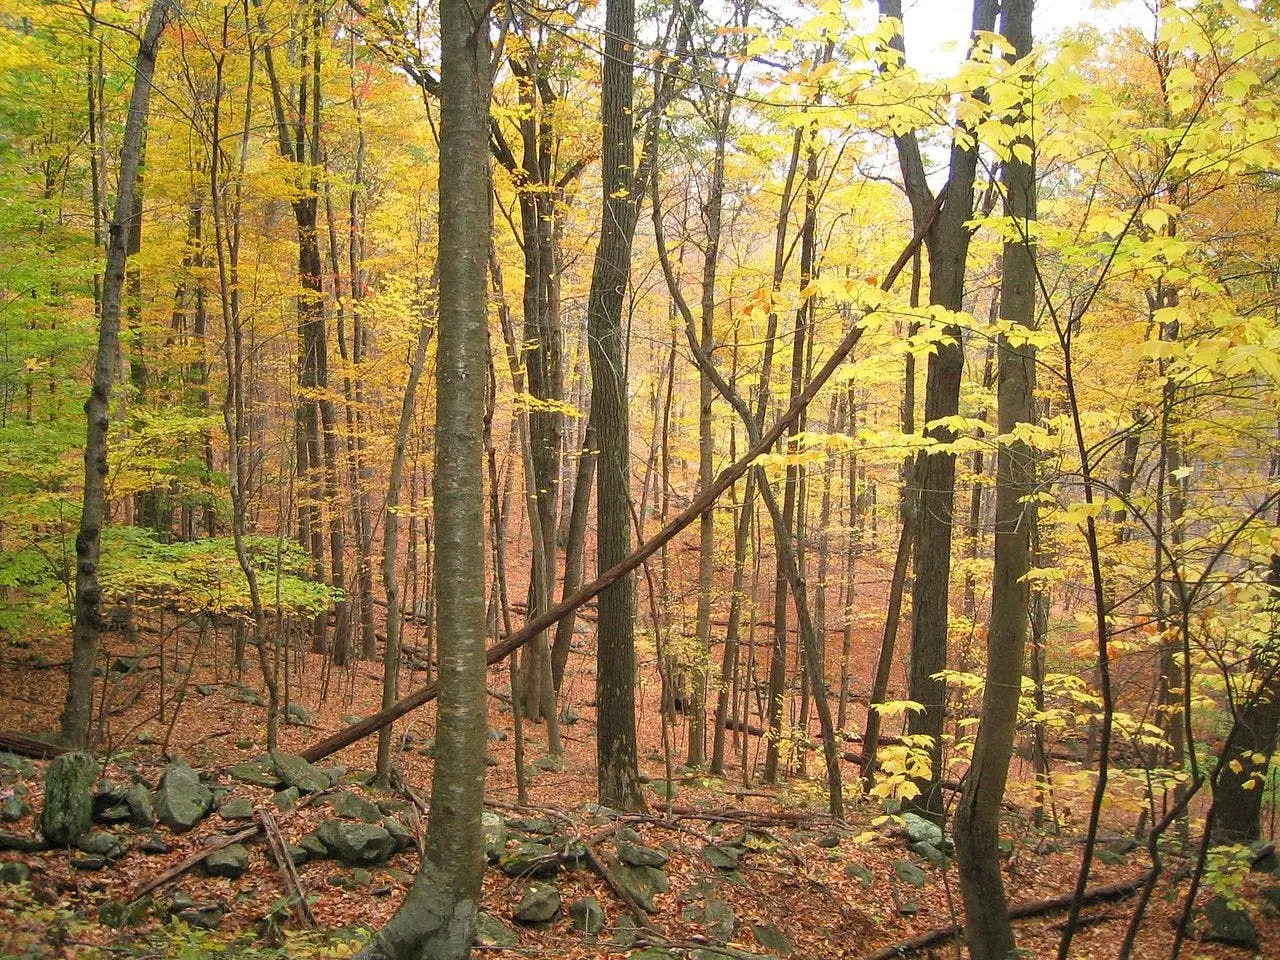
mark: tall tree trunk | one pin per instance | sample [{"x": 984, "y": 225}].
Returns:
[
  {"x": 76, "y": 713},
  {"x": 617, "y": 773},
  {"x": 947, "y": 242},
  {"x": 988, "y": 929},
  {"x": 438, "y": 916}
]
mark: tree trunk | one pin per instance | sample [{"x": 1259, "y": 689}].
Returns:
[
  {"x": 438, "y": 916},
  {"x": 617, "y": 773},
  {"x": 988, "y": 931},
  {"x": 75, "y": 720}
]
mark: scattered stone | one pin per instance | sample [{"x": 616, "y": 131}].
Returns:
[
  {"x": 1111, "y": 858},
  {"x": 719, "y": 918},
  {"x": 296, "y": 772},
  {"x": 260, "y": 773},
  {"x": 930, "y": 853},
  {"x": 99, "y": 843},
  {"x": 244, "y": 695},
  {"x": 314, "y": 846},
  {"x": 349, "y": 806},
  {"x": 21, "y": 844},
  {"x": 108, "y": 794},
  {"x": 155, "y": 846},
  {"x": 1225, "y": 923},
  {"x": 588, "y": 915},
  {"x": 920, "y": 830},
  {"x": 341, "y": 880},
  {"x": 856, "y": 871},
  {"x": 182, "y": 800},
  {"x": 400, "y": 834},
  {"x": 497, "y": 735},
  {"x": 68, "y": 798},
  {"x": 125, "y": 665},
  {"x": 539, "y": 826},
  {"x": 549, "y": 764},
  {"x": 231, "y": 861},
  {"x": 772, "y": 939},
  {"x": 15, "y": 806},
  {"x": 722, "y": 856},
  {"x": 1272, "y": 896},
  {"x": 643, "y": 883},
  {"x": 207, "y": 915},
  {"x": 362, "y": 877},
  {"x": 495, "y": 835},
  {"x": 298, "y": 714},
  {"x": 244, "y": 744},
  {"x": 356, "y": 844},
  {"x": 119, "y": 914},
  {"x": 909, "y": 873},
  {"x": 828, "y": 841},
  {"x": 625, "y": 932},
  {"x": 382, "y": 890},
  {"x": 204, "y": 689},
  {"x": 286, "y": 799},
  {"x": 117, "y": 814},
  {"x": 539, "y": 904},
  {"x": 1122, "y": 845},
  {"x": 638, "y": 855},
  {"x": 596, "y": 813},
  {"x": 573, "y": 852},
  {"x": 237, "y": 808},
  {"x": 492, "y": 932},
  {"x": 11, "y": 761},
  {"x": 88, "y": 862},
  {"x": 14, "y": 871},
  {"x": 535, "y": 860},
  {"x": 569, "y": 716},
  {"x": 298, "y": 855},
  {"x": 428, "y": 749}
]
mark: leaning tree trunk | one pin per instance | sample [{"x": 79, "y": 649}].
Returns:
[
  {"x": 987, "y": 929},
  {"x": 617, "y": 773},
  {"x": 437, "y": 918},
  {"x": 88, "y": 615}
]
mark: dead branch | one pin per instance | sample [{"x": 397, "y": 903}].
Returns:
[{"x": 292, "y": 883}]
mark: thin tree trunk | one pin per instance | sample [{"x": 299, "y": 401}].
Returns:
[{"x": 76, "y": 714}]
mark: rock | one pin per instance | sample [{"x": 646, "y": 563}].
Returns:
[
  {"x": 14, "y": 841},
  {"x": 231, "y": 861},
  {"x": 237, "y": 808},
  {"x": 15, "y": 806},
  {"x": 297, "y": 713},
  {"x": 497, "y": 735},
  {"x": 588, "y": 915},
  {"x": 11, "y": 761},
  {"x": 856, "y": 871},
  {"x": 722, "y": 856},
  {"x": 99, "y": 843},
  {"x": 920, "y": 830},
  {"x": 14, "y": 871},
  {"x": 117, "y": 814},
  {"x": 772, "y": 939},
  {"x": 597, "y": 813},
  {"x": 719, "y": 918},
  {"x": 492, "y": 932},
  {"x": 244, "y": 695},
  {"x": 204, "y": 689},
  {"x": 909, "y": 873},
  {"x": 356, "y": 844},
  {"x": 297, "y": 855},
  {"x": 569, "y": 716},
  {"x": 549, "y": 764},
  {"x": 296, "y": 772},
  {"x": 400, "y": 834},
  {"x": 643, "y": 883},
  {"x": 530, "y": 860},
  {"x": 220, "y": 792},
  {"x": 125, "y": 665},
  {"x": 349, "y": 806},
  {"x": 182, "y": 800},
  {"x": 362, "y": 877},
  {"x": 539, "y": 904},
  {"x": 314, "y": 846},
  {"x": 540, "y": 827},
  {"x": 258, "y": 772},
  {"x": 638, "y": 855},
  {"x": 381, "y": 890},
  {"x": 1225, "y": 923},
  {"x": 625, "y": 932},
  {"x": 68, "y": 798},
  {"x": 108, "y": 794},
  {"x": 828, "y": 841},
  {"x": 573, "y": 852},
  {"x": 88, "y": 862},
  {"x": 154, "y": 846},
  {"x": 495, "y": 835},
  {"x": 138, "y": 799},
  {"x": 930, "y": 853},
  {"x": 286, "y": 799},
  {"x": 207, "y": 916}
]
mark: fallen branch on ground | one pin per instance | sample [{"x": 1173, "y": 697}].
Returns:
[
  {"x": 1019, "y": 911},
  {"x": 30, "y": 747},
  {"x": 292, "y": 883}
]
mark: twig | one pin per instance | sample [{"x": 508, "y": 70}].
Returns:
[{"x": 292, "y": 883}]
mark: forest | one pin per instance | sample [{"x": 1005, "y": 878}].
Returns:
[{"x": 710, "y": 479}]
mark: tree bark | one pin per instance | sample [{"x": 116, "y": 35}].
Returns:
[
  {"x": 438, "y": 916},
  {"x": 988, "y": 930},
  {"x": 76, "y": 713}
]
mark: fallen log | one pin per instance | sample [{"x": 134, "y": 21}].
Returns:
[
  {"x": 1019, "y": 911},
  {"x": 30, "y": 746}
]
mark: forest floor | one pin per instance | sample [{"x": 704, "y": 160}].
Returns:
[{"x": 829, "y": 890}]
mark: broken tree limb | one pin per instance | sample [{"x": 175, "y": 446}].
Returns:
[
  {"x": 292, "y": 883},
  {"x": 30, "y": 747},
  {"x": 1019, "y": 911},
  {"x": 501, "y": 650}
]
